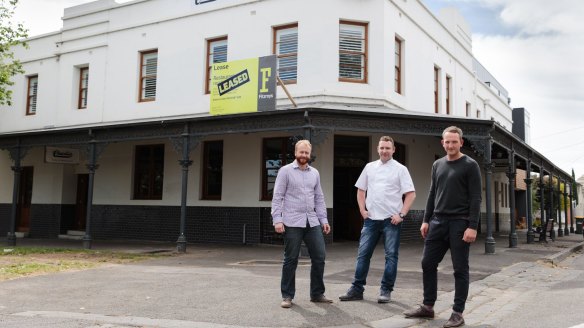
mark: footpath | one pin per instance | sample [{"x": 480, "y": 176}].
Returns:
[{"x": 231, "y": 286}]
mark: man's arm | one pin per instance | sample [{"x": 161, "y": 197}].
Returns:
[
  {"x": 280, "y": 188},
  {"x": 361, "y": 202}
]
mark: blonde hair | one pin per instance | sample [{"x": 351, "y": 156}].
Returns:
[
  {"x": 302, "y": 142},
  {"x": 387, "y": 138}
]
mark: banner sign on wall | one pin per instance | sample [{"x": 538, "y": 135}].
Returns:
[
  {"x": 243, "y": 86},
  {"x": 61, "y": 155}
]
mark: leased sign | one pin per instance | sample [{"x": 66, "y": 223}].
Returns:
[{"x": 243, "y": 86}]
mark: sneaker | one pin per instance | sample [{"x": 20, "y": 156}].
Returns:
[
  {"x": 351, "y": 295},
  {"x": 456, "y": 320},
  {"x": 286, "y": 303},
  {"x": 420, "y": 312},
  {"x": 384, "y": 296},
  {"x": 320, "y": 299}
]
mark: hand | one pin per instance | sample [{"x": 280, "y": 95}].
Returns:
[
  {"x": 470, "y": 235},
  {"x": 326, "y": 228},
  {"x": 279, "y": 227},
  {"x": 424, "y": 229},
  {"x": 396, "y": 219},
  {"x": 364, "y": 214}
]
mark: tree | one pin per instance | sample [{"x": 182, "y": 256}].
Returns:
[{"x": 11, "y": 35}]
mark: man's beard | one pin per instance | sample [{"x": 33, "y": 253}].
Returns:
[{"x": 302, "y": 160}]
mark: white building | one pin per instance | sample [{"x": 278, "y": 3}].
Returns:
[{"x": 130, "y": 81}]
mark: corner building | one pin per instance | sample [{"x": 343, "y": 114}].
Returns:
[{"x": 111, "y": 118}]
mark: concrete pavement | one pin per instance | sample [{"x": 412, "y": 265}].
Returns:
[{"x": 238, "y": 286}]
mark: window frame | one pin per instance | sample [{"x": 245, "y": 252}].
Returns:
[
  {"x": 209, "y": 64},
  {"x": 448, "y": 95},
  {"x": 31, "y": 99},
  {"x": 468, "y": 108},
  {"x": 364, "y": 54},
  {"x": 83, "y": 90},
  {"x": 151, "y": 195},
  {"x": 143, "y": 77},
  {"x": 276, "y": 42},
  {"x": 205, "y": 174},
  {"x": 398, "y": 58}
]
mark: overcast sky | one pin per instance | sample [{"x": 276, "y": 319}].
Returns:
[{"x": 532, "y": 47}]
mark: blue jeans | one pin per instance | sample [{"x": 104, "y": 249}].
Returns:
[
  {"x": 445, "y": 234},
  {"x": 370, "y": 234},
  {"x": 314, "y": 240}
]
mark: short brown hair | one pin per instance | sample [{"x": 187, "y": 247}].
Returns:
[
  {"x": 452, "y": 129},
  {"x": 387, "y": 138}
]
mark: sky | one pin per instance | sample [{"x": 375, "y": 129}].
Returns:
[{"x": 532, "y": 47}]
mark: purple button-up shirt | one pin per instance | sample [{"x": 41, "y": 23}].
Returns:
[{"x": 298, "y": 197}]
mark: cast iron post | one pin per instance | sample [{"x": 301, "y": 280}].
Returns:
[
  {"x": 560, "y": 230},
  {"x": 92, "y": 167},
  {"x": 11, "y": 237},
  {"x": 528, "y": 181},
  {"x": 566, "y": 230},
  {"x": 572, "y": 208},
  {"x": 511, "y": 176},
  {"x": 185, "y": 162},
  {"x": 542, "y": 207},
  {"x": 488, "y": 165}
]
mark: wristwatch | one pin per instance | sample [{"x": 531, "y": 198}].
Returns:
[{"x": 401, "y": 215}]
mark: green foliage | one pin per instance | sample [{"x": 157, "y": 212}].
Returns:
[{"x": 11, "y": 35}]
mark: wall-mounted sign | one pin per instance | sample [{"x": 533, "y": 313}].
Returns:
[
  {"x": 61, "y": 155},
  {"x": 243, "y": 86}
]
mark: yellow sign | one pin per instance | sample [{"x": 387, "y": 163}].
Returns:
[{"x": 243, "y": 86}]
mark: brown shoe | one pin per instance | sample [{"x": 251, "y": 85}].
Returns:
[
  {"x": 320, "y": 299},
  {"x": 286, "y": 303},
  {"x": 456, "y": 320},
  {"x": 420, "y": 312}
]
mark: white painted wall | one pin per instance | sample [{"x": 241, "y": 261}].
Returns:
[{"x": 108, "y": 37}]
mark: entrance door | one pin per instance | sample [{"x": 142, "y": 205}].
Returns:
[
  {"x": 81, "y": 202},
  {"x": 24, "y": 199},
  {"x": 351, "y": 156}
]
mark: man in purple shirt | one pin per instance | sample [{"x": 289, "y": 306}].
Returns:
[{"x": 299, "y": 212}]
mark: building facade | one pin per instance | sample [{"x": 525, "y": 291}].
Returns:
[{"x": 110, "y": 133}]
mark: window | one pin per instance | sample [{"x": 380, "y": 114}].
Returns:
[
  {"x": 352, "y": 52},
  {"x": 448, "y": 88},
  {"x": 148, "y": 72},
  {"x": 277, "y": 152},
  {"x": 212, "y": 169},
  {"x": 83, "y": 84},
  {"x": 148, "y": 172},
  {"x": 285, "y": 47},
  {"x": 478, "y": 113},
  {"x": 216, "y": 53},
  {"x": 31, "y": 98},
  {"x": 398, "y": 66},
  {"x": 468, "y": 109},
  {"x": 436, "y": 90}
]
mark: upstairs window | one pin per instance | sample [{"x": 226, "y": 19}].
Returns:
[
  {"x": 398, "y": 66},
  {"x": 83, "y": 84},
  {"x": 216, "y": 53},
  {"x": 31, "y": 98},
  {"x": 468, "y": 108},
  {"x": 148, "y": 74},
  {"x": 352, "y": 52},
  {"x": 285, "y": 47}
]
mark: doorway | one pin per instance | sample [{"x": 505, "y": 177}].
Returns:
[
  {"x": 24, "y": 199},
  {"x": 351, "y": 154},
  {"x": 81, "y": 202}
]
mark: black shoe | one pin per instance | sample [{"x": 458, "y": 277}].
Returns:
[
  {"x": 320, "y": 299},
  {"x": 420, "y": 312},
  {"x": 456, "y": 320},
  {"x": 351, "y": 295}
]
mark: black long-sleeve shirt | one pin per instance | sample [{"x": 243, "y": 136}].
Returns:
[{"x": 455, "y": 190}]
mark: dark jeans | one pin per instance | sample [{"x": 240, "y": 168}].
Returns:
[
  {"x": 370, "y": 234},
  {"x": 445, "y": 234},
  {"x": 314, "y": 240}
]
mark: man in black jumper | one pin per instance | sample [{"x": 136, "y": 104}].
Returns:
[{"x": 450, "y": 222}]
